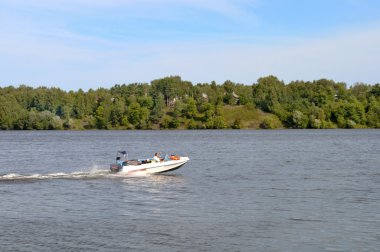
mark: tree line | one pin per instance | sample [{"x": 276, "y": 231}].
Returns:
[{"x": 171, "y": 103}]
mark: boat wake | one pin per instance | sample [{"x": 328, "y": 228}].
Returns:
[{"x": 94, "y": 174}]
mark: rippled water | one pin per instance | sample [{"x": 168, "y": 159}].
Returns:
[{"x": 287, "y": 190}]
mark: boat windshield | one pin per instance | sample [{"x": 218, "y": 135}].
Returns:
[{"x": 122, "y": 155}]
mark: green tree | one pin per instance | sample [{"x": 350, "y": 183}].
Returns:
[
  {"x": 168, "y": 86},
  {"x": 271, "y": 122},
  {"x": 101, "y": 118},
  {"x": 267, "y": 92},
  {"x": 12, "y": 115},
  {"x": 117, "y": 110},
  {"x": 375, "y": 90},
  {"x": 158, "y": 108},
  {"x": 209, "y": 111},
  {"x": 134, "y": 113},
  {"x": 299, "y": 120},
  {"x": 191, "y": 108},
  {"x": 373, "y": 114}
]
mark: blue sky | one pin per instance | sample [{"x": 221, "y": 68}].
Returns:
[{"x": 86, "y": 44}]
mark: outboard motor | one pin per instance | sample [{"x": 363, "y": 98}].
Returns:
[
  {"x": 118, "y": 166},
  {"x": 114, "y": 168}
]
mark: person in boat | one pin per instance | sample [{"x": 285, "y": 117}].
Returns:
[
  {"x": 156, "y": 158},
  {"x": 119, "y": 161}
]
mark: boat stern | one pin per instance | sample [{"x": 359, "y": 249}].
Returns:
[{"x": 114, "y": 168}]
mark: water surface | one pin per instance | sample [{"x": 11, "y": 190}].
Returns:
[{"x": 286, "y": 190}]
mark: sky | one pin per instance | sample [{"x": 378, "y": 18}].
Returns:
[{"x": 86, "y": 44}]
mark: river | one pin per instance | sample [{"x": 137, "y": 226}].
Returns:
[{"x": 243, "y": 190}]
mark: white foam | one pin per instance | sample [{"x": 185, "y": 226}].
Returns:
[
  {"x": 58, "y": 174},
  {"x": 10, "y": 176},
  {"x": 138, "y": 174},
  {"x": 93, "y": 173}
]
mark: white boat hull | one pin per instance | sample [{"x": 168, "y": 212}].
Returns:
[{"x": 152, "y": 168}]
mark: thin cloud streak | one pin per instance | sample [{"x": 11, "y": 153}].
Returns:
[
  {"x": 345, "y": 57},
  {"x": 349, "y": 58},
  {"x": 38, "y": 50},
  {"x": 231, "y": 8}
]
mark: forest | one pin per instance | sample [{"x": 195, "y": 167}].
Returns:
[{"x": 172, "y": 103}]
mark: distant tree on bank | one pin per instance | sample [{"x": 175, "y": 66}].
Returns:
[{"x": 172, "y": 103}]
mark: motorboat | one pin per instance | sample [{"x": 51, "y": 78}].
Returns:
[{"x": 161, "y": 163}]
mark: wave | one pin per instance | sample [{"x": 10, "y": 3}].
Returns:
[{"x": 93, "y": 174}]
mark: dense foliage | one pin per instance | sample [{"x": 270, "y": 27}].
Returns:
[{"x": 171, "y": 102}]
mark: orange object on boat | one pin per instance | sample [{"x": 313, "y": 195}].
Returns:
[{"x": 174, "y": 157}]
